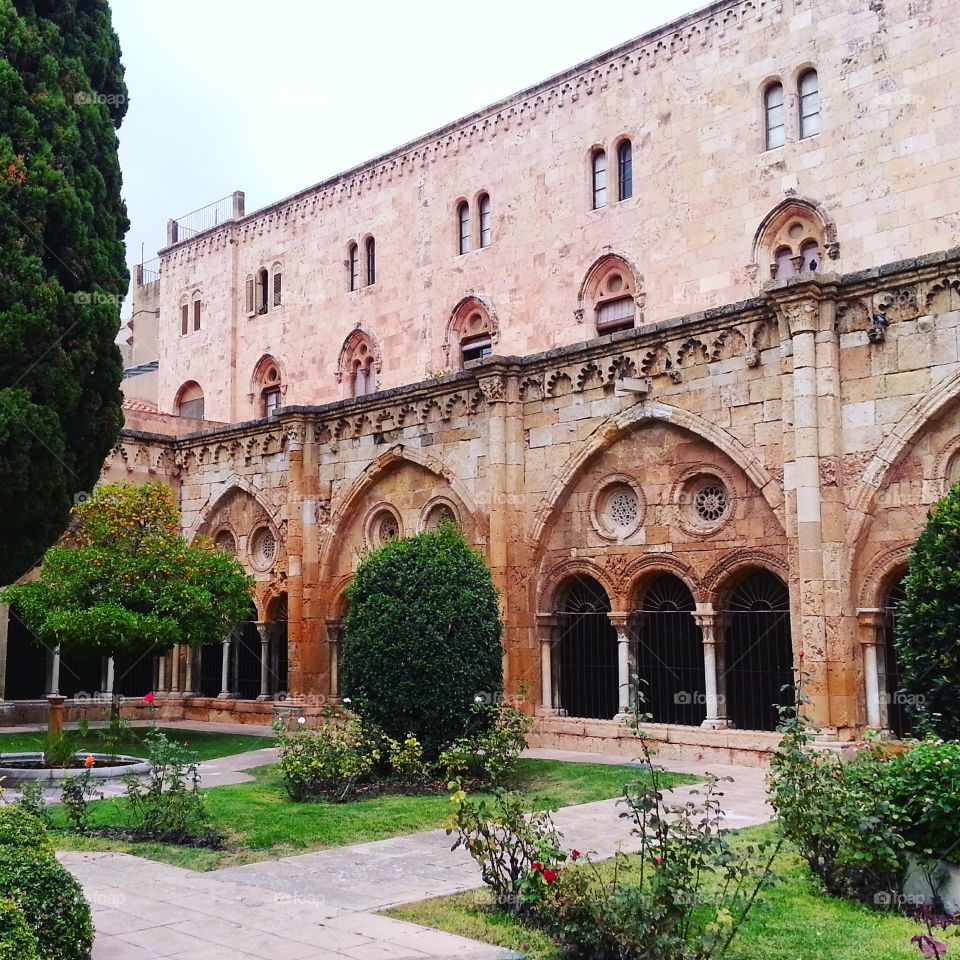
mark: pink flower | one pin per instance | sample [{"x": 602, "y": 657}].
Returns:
[
  {"x": 657, "y": 858},
  {"x": 574, "y": 854},
  {"x": 149, "y": 698},
  {"x": 550, "y": 876}
]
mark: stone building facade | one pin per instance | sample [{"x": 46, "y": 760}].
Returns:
[{"x": 673, "y": 336}]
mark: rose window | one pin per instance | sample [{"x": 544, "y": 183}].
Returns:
[{"x": 711, "y": 503}]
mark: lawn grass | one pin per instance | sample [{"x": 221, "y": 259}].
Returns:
[
  {"x": 795, "y": 922},
  {"x": 206, "y": 746},
  {"x": 261, "y": 822}
]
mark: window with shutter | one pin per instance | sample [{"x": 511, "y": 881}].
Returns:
[
  {"x": 250, "y": 295},
  {"x": 276, "y": 287}
]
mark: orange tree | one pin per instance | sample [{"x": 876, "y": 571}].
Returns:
[{"x": 122, "y": 581}]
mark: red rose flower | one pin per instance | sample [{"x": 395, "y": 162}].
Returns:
[
  {"x": 149, "y": 698},
  {"x": 550, "y": 876},
  {"x": 574, "y": 854},
  {"x": 536, "y": 866},
  {"x": 657, "y": 858}
]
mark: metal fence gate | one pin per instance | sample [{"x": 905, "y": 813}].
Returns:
[
  {"x": 759, "y": 652},
  {"x": 669, "y": 654},
  {"x": 585, "y": 662},
  {"x": 27, "y": 662},
  {"x": 246, "y": 661},
  {"x": 211, "y": 669},
  {"x": 133, "y": 676},
  {"x": 893, "y": 710}
]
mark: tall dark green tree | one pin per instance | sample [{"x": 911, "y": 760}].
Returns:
[{"x": 62, "y": 269}]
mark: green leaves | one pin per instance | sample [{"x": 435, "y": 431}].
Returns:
[
  {"x": 422, "y": 639},
  {"x": 126, "y": 582}
]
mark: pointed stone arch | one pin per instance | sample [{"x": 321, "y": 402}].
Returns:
[
  {"x": 771, "y": 236},
  {"x": 473, "y": 317},
  {"x": 207, "y": 516},
  {"x": 611, "y": 280},
  {"x": 616, "y": 427},
  {"x": 360, "y": 350}
]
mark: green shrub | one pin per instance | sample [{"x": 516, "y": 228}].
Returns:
[
  {"x": 31, "y": 801},
  {"x": 490, "y": 756},
  {"x": 422, "y": 639},
  {"x": 328, "y": 762},
  {"x": 927, "y": 638},
  {"x": 19, "y": 828},
  {"x": 17, "y": 940},
  {"x": 51, "y": 900},
  {"x": 169, "y": 807}
]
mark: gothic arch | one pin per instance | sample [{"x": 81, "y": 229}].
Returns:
[
  {"x": 351, "y": 344},
  {"x": 876, "y": 580},
  {"x": 600, "y": 265},
  {"x": 260, "y": 369},
  {"x": 616, "y": 427},
  {"x": 643, "y": 569},
  {"x": 552, "y": 582},
  {"x": 893, "y": 449},
  {"x": 460, "y": 316},
  {"x": 398, "y": 454},
  {"x": 231, "y": 486},
  {"x": 726, "y": 572},
  {"x": 803, "y": 209}
]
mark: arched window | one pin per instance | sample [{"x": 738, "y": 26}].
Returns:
[
  {"x": 190, "y": 401},
  {"x": 371, "y": 251},
  {"x": 611, "y": 289},
  {"x": 267, "y": 387},
  {"x": 624, "y": 170},
  {"x": 486, "y": 229},
  {"x": 184, "y": 317},
  {"x": 353, "y": 267},
  {"x": 263, "y": 303},
  {"x": 277, "y": 283},
  {"x": 463, "y": 227},
  {"x": 809, "y": 96},
  {"x": 774, "y": 116},
  {"x": 598, "y": 164},
  {"x": 359, "y": 365},
  {"x": 471, "y": 332},
  {"x": 196, "y": 310},
  {"x": 792, "y": 239}
]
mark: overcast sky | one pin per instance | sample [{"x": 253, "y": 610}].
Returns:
[{"x": 270, "y": 98}]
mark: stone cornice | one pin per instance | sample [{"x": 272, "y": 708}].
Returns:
[{"x": 563, "y": 90}]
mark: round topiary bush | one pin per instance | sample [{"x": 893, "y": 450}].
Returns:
[
  {"x": 21, "y": 829},
  {"x": 17, "y": 940},
  {"x": 928, "y": 621},
  {"x": 51, "y": 900},
  {"x": 422, "y": 639}
]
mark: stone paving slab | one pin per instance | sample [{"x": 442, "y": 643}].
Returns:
[{"x": 320, "y": 906}]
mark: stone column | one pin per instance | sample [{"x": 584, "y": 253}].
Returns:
[
  {"x": 870, "y": 623},
  {"x": 263, "y": 628},
  {"x": 4, "y": 627},
  {"x": 175, "y": 669},
  {"x": 304, "y": 658},
  {"x": 625, "y": 663},
  {"x": 714, "y": 667},
  {"x": 334, "y": 636},
  {"x": 190, "y": 655},
  {"x": 225, "y": 669},
  {"x": 111, "y": 674},
  {"x": 162, "y": 673},
  {"x": 55, "y": 672},
  {"x": 546, "y": 627}
]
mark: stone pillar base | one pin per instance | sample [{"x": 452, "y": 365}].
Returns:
[
  {"x": 224, "y": 696},
  {"x": 718, "y": 723},
  {"x": 547, "y": 712},
  {"x": 264, "y": 698}
]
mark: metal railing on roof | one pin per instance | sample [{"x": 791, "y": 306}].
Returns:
[{"x": 206, "y": 218}]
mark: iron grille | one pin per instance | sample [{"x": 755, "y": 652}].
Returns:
[{"x": 893, "y": 712}]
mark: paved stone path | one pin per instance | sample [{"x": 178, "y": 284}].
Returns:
[{"x": 320, "y": 906}]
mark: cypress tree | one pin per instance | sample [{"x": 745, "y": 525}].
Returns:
[{"x": 62, "y": 264}]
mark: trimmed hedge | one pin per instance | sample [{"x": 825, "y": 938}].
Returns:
[
  {"x": 422, "y": 639},
  {"x": 51, "y": 900},
  {"x": 21, "y": 829},
  {"x": 17, "y": 940}
]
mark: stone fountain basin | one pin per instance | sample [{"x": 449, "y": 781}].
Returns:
[{"x": 18, "y": 768}]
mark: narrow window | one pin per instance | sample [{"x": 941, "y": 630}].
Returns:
[
  {"x": 809, "y": 88},
  {"x": 184, "y": 319},
  {"x": 371, "y": 261},
  {"x": 773, "y": 102},
  {"x": 250, "y": 296},
  {"x": 262, "y": 302},
  {"x": 271, "y": 401},
  {"x": 599, "y": 164},
  {"x": 190, "y": 401},
  {"x": 354, "y": 266},
  {"x": 476, "y": 348},
  {"x": 196, "y": 313},
  {"x": 810, "y": 257},
  {"x": 486, "y": 230},
  {"x": 463, "y": 226},
  {"x": 616, "y": 315},
  {"x": 362, "y": 378},
  {"x": 625, "y": 170},
  {"x": 277, "y": 281}
]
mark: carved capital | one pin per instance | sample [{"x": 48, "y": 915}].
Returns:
[
  {"x": 802, "y": 316},
  {"x": 494, "y": 389}
]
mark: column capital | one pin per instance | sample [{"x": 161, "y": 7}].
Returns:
[
  {"x": 263, "y": 629},
  {"x": 620, "y": 620},
  {"x": 548, "y": 620},
  {"x": 872, "y": 619}
]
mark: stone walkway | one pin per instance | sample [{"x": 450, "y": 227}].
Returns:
[{"x": 320, "y": 906}]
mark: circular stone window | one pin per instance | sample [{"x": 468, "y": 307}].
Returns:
[
  {"x": 226, "y": 542},
  {"x": 383, "y": 526},
  {"x": 263, "y": 548},
  {"x": 438, "y": 514},
  {"x": 706, "y": 502},
  {"x": 617, "y": 508}
]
